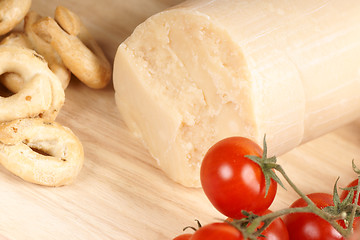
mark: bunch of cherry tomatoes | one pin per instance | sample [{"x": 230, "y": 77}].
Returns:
[{"x": 237, "y": 185}]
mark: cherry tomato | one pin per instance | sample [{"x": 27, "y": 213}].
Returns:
[
  {"x": 185, "y": 236},
  {"x": 275, "y": 231},
  {"x": 232, "y": 182},
  {"x": 308, "y": 226},
  {"x": 217, "y": 231}
]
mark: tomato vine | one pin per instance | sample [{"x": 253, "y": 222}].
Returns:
[{"x": 240, "y": 180}]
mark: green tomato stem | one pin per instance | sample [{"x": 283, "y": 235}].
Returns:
[
  {"x": 252, "y": 228},
  {"x": 293, "y": 186}
]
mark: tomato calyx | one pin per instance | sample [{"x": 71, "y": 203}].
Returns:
[{"x": 267, "y": 166}]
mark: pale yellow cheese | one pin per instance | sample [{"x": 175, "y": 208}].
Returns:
[{"x": 205, "y": 70}]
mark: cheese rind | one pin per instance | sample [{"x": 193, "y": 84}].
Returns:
[{"x": 205, "y": 70}]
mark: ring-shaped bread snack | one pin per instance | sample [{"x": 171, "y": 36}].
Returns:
[
  {"x": 12, "y": 12},
  {"x": 41, "y": 95},
  {"x": 77, "y": 48},
  {"x": 13, "y": 81},
  {"x": 46, "y": 50},
  {"x": 40, "y": 152}
]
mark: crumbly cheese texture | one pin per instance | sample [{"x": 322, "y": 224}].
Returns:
[{"x": 205, "y": 70}]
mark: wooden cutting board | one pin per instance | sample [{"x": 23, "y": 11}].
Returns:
[{"x": 120, "y": 194}]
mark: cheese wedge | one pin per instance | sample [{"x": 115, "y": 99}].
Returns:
[{"x": 205, "y": 70}]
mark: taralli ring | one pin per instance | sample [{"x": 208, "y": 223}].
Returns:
[
  {"x": 40, "y": 152},
  {"x": 12, "y": 12},
  {"x": 13, "y": 81},
  {"x": 76, "y": 47},
  {"x": 42, "y": 94},
  {"x": 46, "y": 50}
]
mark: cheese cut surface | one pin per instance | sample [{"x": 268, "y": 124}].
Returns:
[{"x": 205, "y": 70}]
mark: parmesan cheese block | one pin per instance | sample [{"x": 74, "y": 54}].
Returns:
[{"x": 205, "y": 70}]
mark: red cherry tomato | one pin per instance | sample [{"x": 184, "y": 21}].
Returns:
[
  {"x": 275, "y": 231},
  {"x": 308, "y": 226},
  {"x": 185, "y": 236},
  {"x": 232, "y": 182},
  {"x": 217, "y": 231}
]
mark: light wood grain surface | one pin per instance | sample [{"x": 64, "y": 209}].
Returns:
[{"x": 120, "y": 194}]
